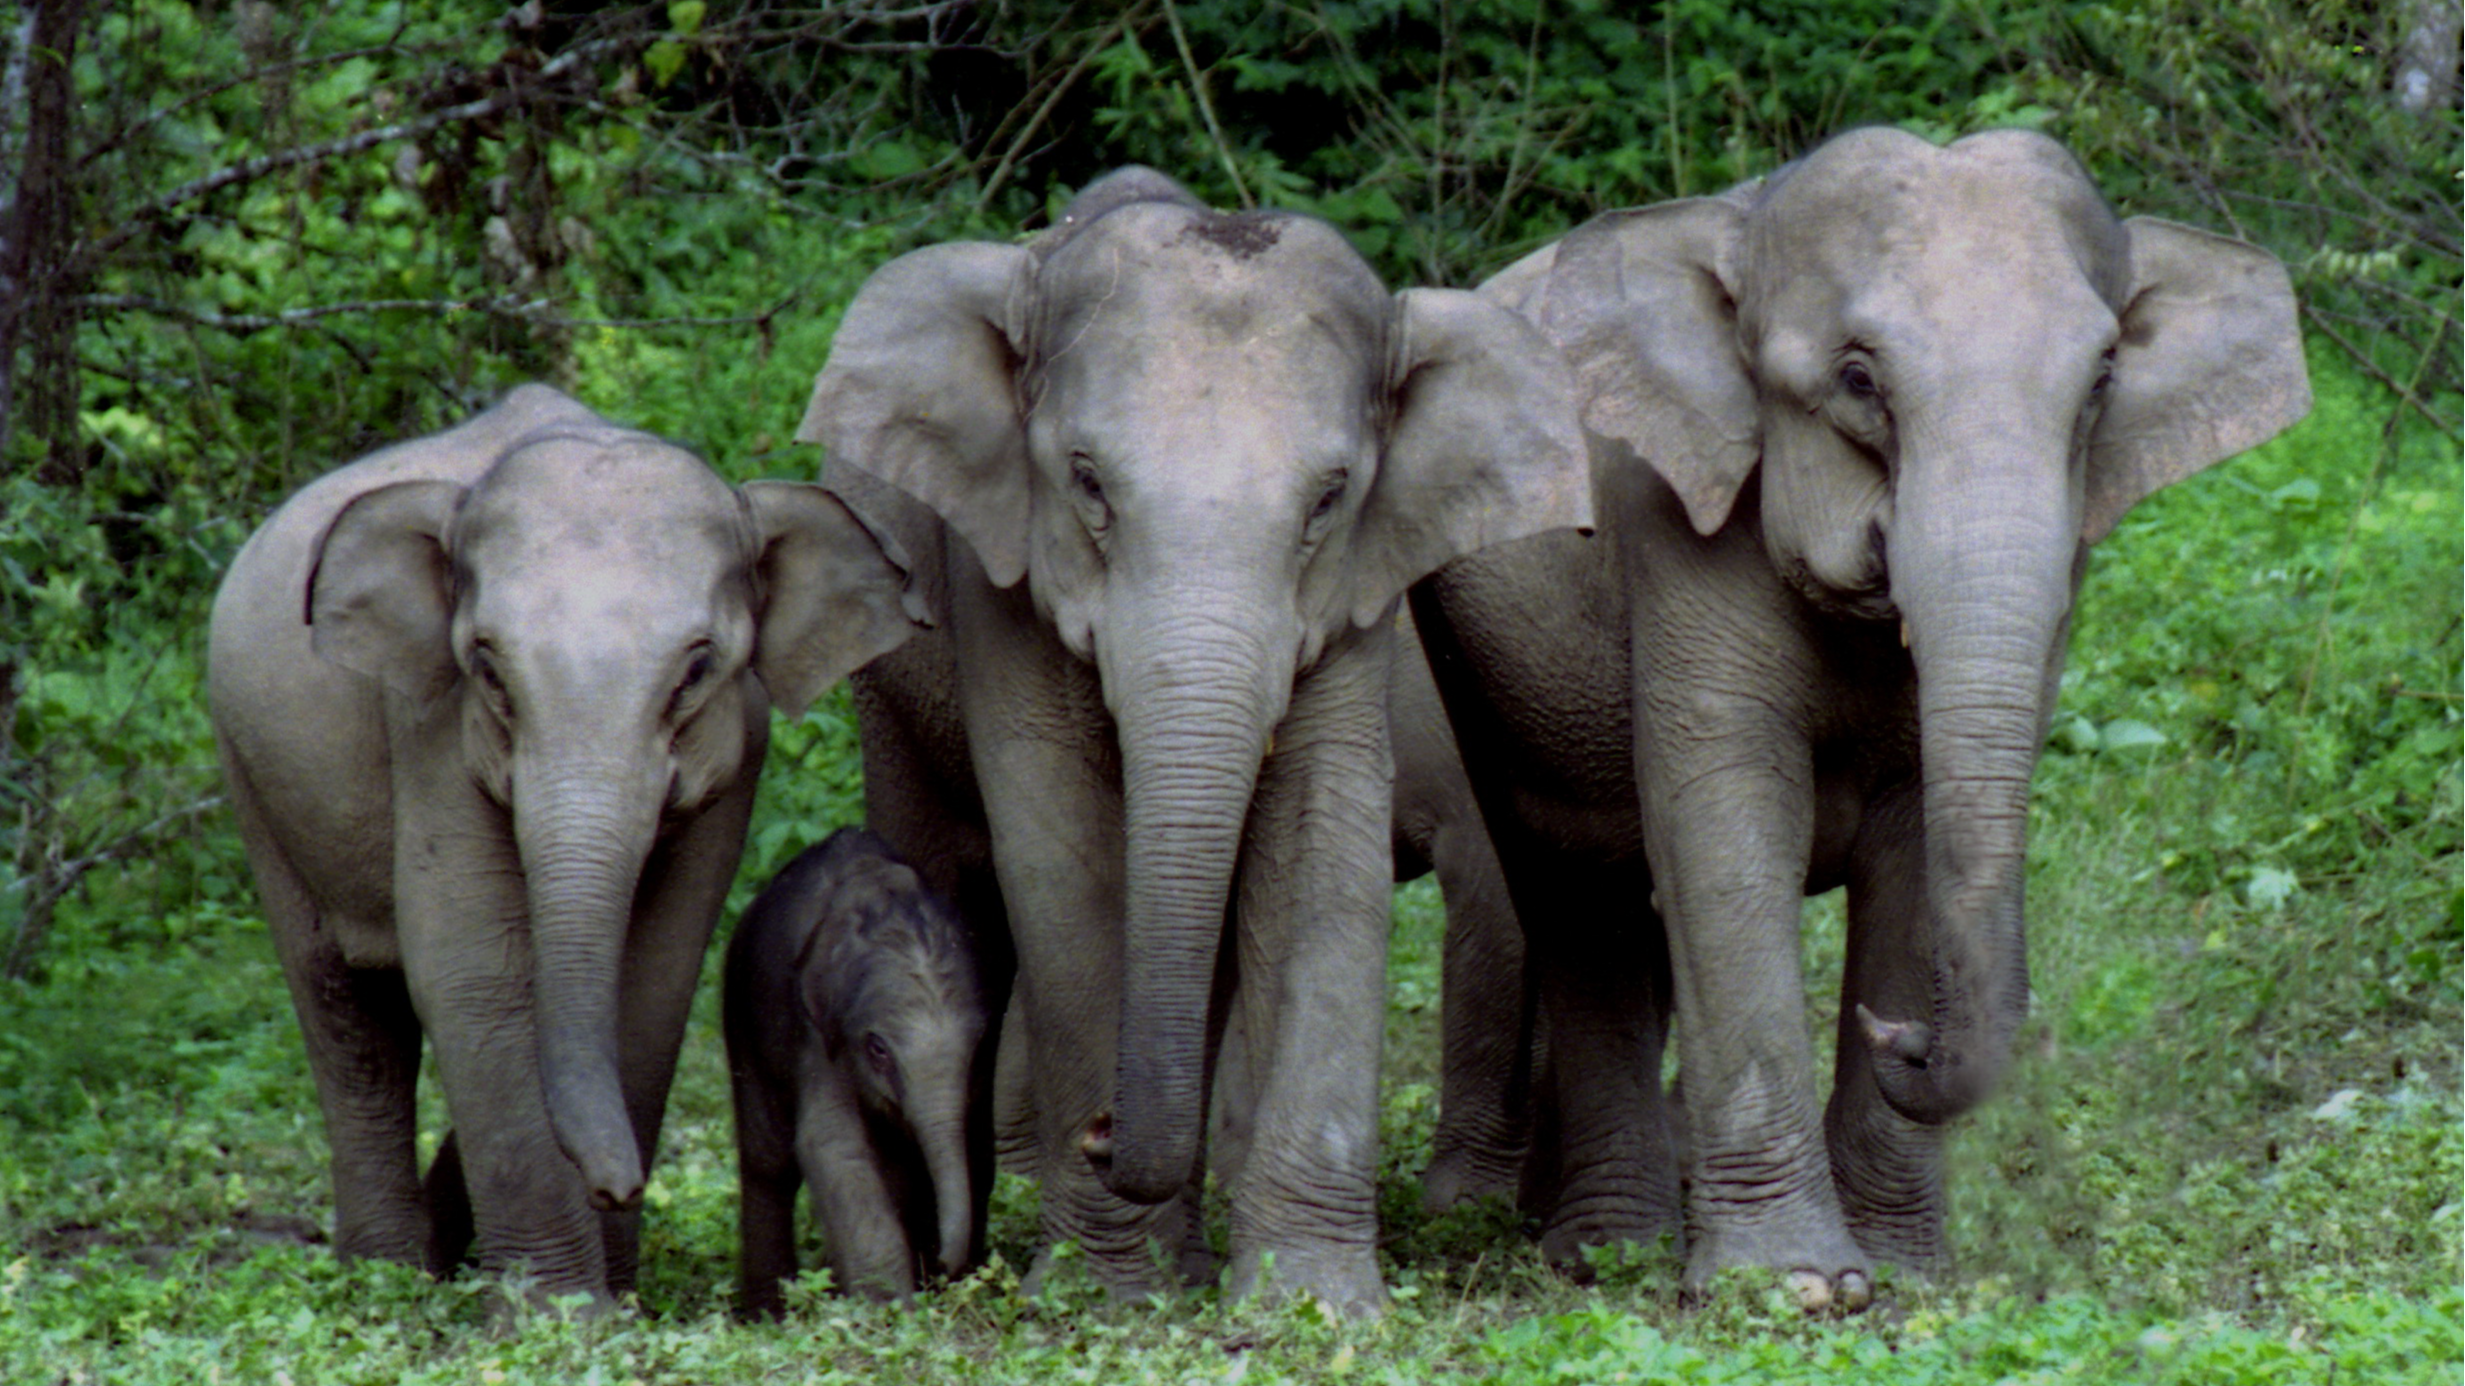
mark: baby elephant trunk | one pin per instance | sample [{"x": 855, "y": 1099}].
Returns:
[{"x": 954, "y": 1199}]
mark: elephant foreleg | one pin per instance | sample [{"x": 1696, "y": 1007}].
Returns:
[
  {"x": 1313, "y": 897},
  {"x": 1888, "y": 1169},
  {"x": 1041, "y": 748}
]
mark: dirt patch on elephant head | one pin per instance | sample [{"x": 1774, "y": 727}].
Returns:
[{"x": 1241, "y": 235}]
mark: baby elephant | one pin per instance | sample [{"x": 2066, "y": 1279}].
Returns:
[{"x": 854, "y": 1018}]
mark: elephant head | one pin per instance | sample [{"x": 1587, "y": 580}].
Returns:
[
  {"x": 1949, "y": 370},
  {"x": 1213, "y": 446},
  {"x": 609, "y": 623}
]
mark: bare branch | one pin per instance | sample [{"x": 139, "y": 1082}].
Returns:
[{"x": 138, "y": 219}]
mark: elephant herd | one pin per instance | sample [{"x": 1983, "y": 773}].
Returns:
[{"x": 1192, "y": 584}]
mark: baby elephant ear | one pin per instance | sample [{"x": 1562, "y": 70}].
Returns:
[
  {"x": 1640, "y": 303},
  {"x": 2209, "y": 363},
  {"x": 1484, "y": 447},
  {"x": 834, "y": 594},
  {"x": 921, "y": 391},
  {"x": 380, "y": 588}
]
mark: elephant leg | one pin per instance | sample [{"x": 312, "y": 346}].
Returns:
[
  {"x": 1729, "y": 825},
  {"x": 466, "y": 957},
  {"x": 684, "y": 885},
  {"x": 1888, "y": 1169},
  {"x": 1487, "y": 1017},
  {"x": 1042, "y": 750},
  {"x": 862, "y": 1234},
  {"x": 449, "y": 1208},
  {"x": 363, "y": 1039},
  {"x": 1600, "y": 967},
  {"x": 1314, "y": 893},
  {"x": 1014, "y": 1096}
]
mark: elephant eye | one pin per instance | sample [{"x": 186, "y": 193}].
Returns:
[
  {"x": 2105, "y": 376},
  {"x": 1859, "y": 382},
  {"x": 1094, "y": 511},
  {"x": 1332, "y": 496},
  {"x": 483, "y": 667},
  {"x": 877, "y": 1053},
  {"x": 696, "y": 670}
]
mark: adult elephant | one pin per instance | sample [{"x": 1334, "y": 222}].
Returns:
[
  {"x": 490, "y": 705},
  {"x": 1176, "y": 466},
  {"x": 1852, "y": 430}
]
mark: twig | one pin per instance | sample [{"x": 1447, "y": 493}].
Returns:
[
  {"x": 1206, "y": 108},
  {"x": 51, "y": 882},
  {"x": 137, "y": 220},
  {"x": 534, "y": 311},
  {"x": 2407, "y": 393},
  {"x": 2353, "y": 527},
  {"x": 1069, "y": 79}
]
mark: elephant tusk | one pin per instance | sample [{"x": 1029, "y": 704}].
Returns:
[
  {"x": 1904, "y": 635},
  {"x": 1908, "y": 1040}
]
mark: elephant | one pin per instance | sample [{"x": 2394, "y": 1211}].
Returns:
[
  {"x": 1166, "y": 472},
  {"x": 1852, "y": 430},
  {"x": 490, "y": 705},
  {"x": 854, "y": 1013}
]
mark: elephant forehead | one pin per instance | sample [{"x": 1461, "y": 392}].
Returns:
[
  {"x": 1233, "y": 272},
  {"x": 601, "y": 500},
  {"x": 1982, "y": 221}
]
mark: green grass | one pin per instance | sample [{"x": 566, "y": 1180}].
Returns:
[{"x": 2230, "y": 1151}]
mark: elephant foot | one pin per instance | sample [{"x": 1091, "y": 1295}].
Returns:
[
  {"x": 1462, "y": 1176},
  {"x": 1341, "y": 1275},
  {"x": 1566, "y": 1237},
  {"x": 1828, "y": 1273},
  {"x": 1914, "y": 1244}
]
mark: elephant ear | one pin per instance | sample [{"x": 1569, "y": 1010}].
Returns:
[
  {"x": 380, "y": 588},
  {"x": 1639, "y": 302},
  {"x": 921, "y": 391},
  {"x": 2209, "y": 364},
  {"x": 835, "y": 594},
  {"x": 1485, "y": 445}
]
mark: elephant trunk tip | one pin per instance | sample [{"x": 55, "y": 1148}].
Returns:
[
  {"x": 1927, "y": 1082},
  {"x": 1157, "y": 1179},
  {"x": 616, "y": 1195}
]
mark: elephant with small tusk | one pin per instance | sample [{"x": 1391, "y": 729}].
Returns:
[
  {"x": 490, "y": 704},
  {"x": 1853, "y": 428},
  {"x": 1167, "y": 471}
]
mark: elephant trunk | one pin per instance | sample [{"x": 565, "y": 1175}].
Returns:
[
  {"x": 584, "y": 832},
  {"x": 941, "y": 1136},
  {"x": 1196, "y": 694},
  {"x": 1984, "y": 562}
]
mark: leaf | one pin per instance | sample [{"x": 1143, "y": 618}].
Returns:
[
  {"x": 2129, "y": 734},
  {"x": 685, "y": 17},
  {"x": 664, "y": 59},
  {"x": 2270, "y": 887}
]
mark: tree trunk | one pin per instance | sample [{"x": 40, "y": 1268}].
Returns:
[{"x": 38, "y": 312}]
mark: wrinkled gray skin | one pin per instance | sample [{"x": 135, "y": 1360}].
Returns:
[
  {"x": 1486, "y": 1013},
  {"x": 854, "y": 1015},
  {"x": 490, "y": 705},
  {"x": 1853, "y": 429},
  {"x": 1168, "y": 471}
]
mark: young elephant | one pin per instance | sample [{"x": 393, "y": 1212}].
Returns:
[
  {"x": 1853, "y": 428},
  {"x": 855, "y": 1021},
  {"x": 490, "y": 705}
]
